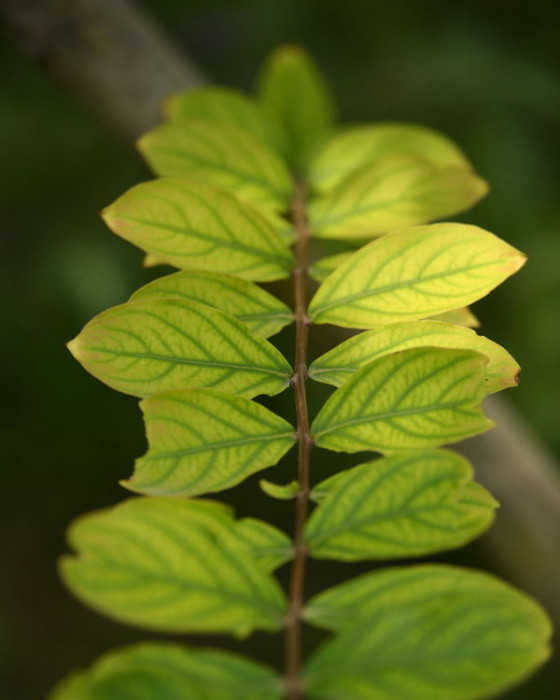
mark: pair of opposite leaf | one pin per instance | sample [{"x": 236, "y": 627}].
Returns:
[{"x": 193, "y": 344}]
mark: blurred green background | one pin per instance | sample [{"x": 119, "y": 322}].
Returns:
[{"x": 485, "y": 73}]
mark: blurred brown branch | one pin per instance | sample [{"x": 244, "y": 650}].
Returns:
[
  {"x": 106, "y": 52},
  {"x": 112, "y": 56}
]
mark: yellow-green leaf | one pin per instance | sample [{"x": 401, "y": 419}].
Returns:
[
  {"x": 404, "y": 506},
  {"x": 322, "y": 268},
  {"x": 262, "y": 312},
  {"x": 414, "y": 273},
  {"x": 165, "y": 671},
  {"x": 297, "y": 101},
  {"x": 282, "y": 492},
  {"x": 268, "y": 545},
  {"x": 197, "y": 227},
  {"x": 410, "y": 400},
  {"x": 461, "y": 317},
  {"x": 355, "y": 146},
  {"x": 219, "y": 106},
  {"x": 391, "y": 193},
  {"x": 171, "y": 565},
  {"x": 434, "y": 631},
  {"x": 152, "y": 345},
  {"x": 337, "y": 365},
  {"x": 202, "y": 441},
  {"x": 224, "y": 157}
]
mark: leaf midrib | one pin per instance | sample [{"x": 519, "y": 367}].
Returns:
[
  {"x": 398, "y": 285},
  {"x": 392, "y": 414},
  {"x": 180, "y": 361},
  {"x": 208, "y": 238},
  {"x": 237, "y": 442},
  {"x": 250, "y": 599},
  {"x": 397, "y": 514}
]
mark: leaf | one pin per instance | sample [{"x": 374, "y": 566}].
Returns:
[
  {"x": 225, "y": 157},
  {"x": 392, "y": 193},
  {"x": 321, "y": 269},
  {"x": 171, "y": 565},
  {"x": 269, "y": 546},
  {"x": 197, "y": 227},
  {"x": 410, "y": 400},
  {"x": 337, "y": 365},
  {"x": 282, "y": 492},
  {"x": 414, "y": 273},
  {"x": 152, "y": 345},
  {"x": 168, "y": 671},
  {"x": 461, "y": 317},
  {"x": 262, "y": 312},
  {"x": 356, "y": 146},
  {"x": 405, "y": 506},
  {"x": 202, "y": 441},
  {"x": 297, "y": 101},
  {"x": 219, "y": 106},
  {"x": 437, "y": 632}
]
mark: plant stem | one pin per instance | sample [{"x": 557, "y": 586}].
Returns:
[{"x": 297, "y": 578}]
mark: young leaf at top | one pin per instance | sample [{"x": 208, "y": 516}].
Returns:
[
  {"x": 198, "y": 227},
  {"x": 172, "y": 672},
  {"x": 203, "y": 441},
  {"x": 414, "y": 273},
  {"x": 262, "y": 312},
  {"x": 219, "y": 106},
  {"x": 227, "y": 158},
  {"x": 337, "y": 365},
  {"x": 297, "y": 101},
  {"x": 420, "y": 632},
  {"x": 410, "y": 400},
  {"x": 152, "y": 345},
  {"x": 171, "y": 565},
  {"x": 392, "y": 193},
  {"x": 355, "y": 146},
  {"x": 404, "y": 506}
]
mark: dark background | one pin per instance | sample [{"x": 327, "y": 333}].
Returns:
[{"x": 485, "y": 73}]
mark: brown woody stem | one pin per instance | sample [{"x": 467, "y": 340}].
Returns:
[{"x": 297, "y": 578}]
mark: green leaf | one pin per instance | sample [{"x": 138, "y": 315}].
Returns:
[
  {"x": 403, "y": 506},
  {"x": 337, "y": 365},
  {"x": 165, "y": 671},
  {"x": 152, "y": 345},
  {"x": 414, "y": 273},
  {"x": 171, "y": 565},
  {"x": 262, "y": 312},
  {"x": 282, "y": 492},
  {"x": 436, "y": 632},
  {"x": 197, "y": 227},
  {"x": 356, "y": 146},
  {"x": 297, "y": 101},
  {"x": 202, "y": 441},
  {"x": 219, "y": 106},
  {"x": 410, "y": 400},
  {"x": 392, "y": 193},
  {"x": 269, "y": 546},
  {"x": 224, "y": 157}
]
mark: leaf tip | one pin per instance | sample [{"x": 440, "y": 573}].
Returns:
[{"x": 74, "y": 347}]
